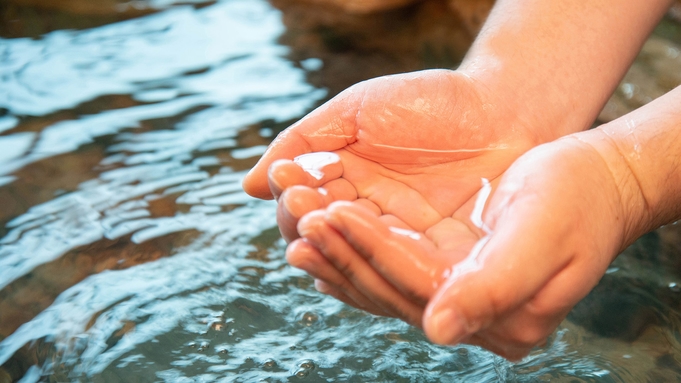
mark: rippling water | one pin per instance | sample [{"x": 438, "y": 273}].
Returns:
[{"x": 129, "y": 252}]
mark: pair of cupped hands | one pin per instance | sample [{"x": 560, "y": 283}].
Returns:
[{"x": 422, "y": 197}]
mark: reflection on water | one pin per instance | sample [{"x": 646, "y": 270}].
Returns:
[{"x": 129, "y": 252}]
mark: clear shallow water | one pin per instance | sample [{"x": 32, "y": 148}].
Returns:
[{"x": 129, "y": 253}]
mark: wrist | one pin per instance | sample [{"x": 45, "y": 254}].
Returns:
[
  {"x": 642, "y": 150},
  {"x": 539, "y": 107},
  {"x": 631, "y": 209}
]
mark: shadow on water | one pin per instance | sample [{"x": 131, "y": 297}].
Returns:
[{"x": 129, "y": 252}]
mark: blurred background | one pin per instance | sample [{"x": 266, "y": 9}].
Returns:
[{"x": 129, "y": 252}]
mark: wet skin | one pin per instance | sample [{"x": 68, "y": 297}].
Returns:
[
  {"x": 553, "y": 222},
  {"x": 425, "y": 176},
  {"x": 413, "y": 152}
]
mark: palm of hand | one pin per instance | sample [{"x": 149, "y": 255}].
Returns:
[
  {"x": 414, "y": 149},
  {"x": 413, "y": 152},
  {"x": 512, "y": 292}
]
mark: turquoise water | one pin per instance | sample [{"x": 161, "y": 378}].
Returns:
[{"x": 129, "y": 252}]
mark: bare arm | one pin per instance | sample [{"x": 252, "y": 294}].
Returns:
[
  {"x": 643, "y": 149},
  {"x": 557, "y": 62}
]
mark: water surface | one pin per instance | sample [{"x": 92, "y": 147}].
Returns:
[{"x": 129, "y": 252}]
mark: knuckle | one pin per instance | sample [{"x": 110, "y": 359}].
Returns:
[
  {"x": 344, "y": 267},
  {"x": 499, "y": 301}
]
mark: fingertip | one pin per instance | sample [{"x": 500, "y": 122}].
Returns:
[
  {"x": 337, "y": 212},
  {"x": 322, "y": 286},
  {"x": 338, "y": 206},
  {"x": 309, "y": 224},
  {"x": 255, "y": 184},
  {"x": 444, "y": 325},
  {"x": 347, "y": 217},
  {"x": 294, "y": 203},
  {"x": 283, "y": 173},
  {"x": 301, "y": 254}
]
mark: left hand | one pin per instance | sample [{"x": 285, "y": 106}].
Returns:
[{"x": 413, "y": 148}]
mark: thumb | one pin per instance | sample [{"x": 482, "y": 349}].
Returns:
[
  {"x": 329, "y": 127},
  {"x": 503, "y": 271}
]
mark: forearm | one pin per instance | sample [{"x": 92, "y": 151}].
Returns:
[
  {"x": 557, "y": 62},
  {"x": 643, "y": 151}
]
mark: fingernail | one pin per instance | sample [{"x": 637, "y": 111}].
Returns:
[
  {"x": 320, "y": 286},
  {"x": 446, "y": 326}
]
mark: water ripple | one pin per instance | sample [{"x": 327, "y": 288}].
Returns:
[{"x": 185, "y": 276}]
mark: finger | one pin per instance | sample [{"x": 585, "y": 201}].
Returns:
[
  {"x": 390, "y": 248},
  {"x": 522, "y": 330},
  {"x": 294, "y": 203},
  {"x": 331, "y": 290},
  {"x": 329, "y": 127},
  {"x": 368, "y": 205},
  {"x": 297, "y": 201},
  {"x": 300, "y": 254},
  {"x": 392, "y": 194},
  {"x": 510, "y": 352},
  {"x": 533, "y": 322},
  {"x": 328, "y": 289},
  {"x": 354, "y": 268},
  {"x": 503, "y": 271},
  {"x": 313, "y": 170}
]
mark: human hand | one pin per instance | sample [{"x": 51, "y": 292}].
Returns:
[
  {"x": 417, "y": 110},
  {"x": 412, "y": 148},
  {"x": 552, "y": 225},
  {"x": 421, "y": 134}
]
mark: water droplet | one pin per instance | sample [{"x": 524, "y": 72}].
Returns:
[
  {"x": 395, "y": 337},
  {"x": 408, "y": 233},
  {"x": 309, "y": 318},
  {"x": 314, "y": 163},
  {"x": 304, "y": 368},
  {"x": 269, "y": 364},
  {"x": 301, "y": 373},
  {"x": 628, "y": 90}
]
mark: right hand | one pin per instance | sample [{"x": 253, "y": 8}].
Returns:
[{"x": 553, "y": 224}]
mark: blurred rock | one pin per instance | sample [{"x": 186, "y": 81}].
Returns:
[
  {"x": 616, "y": 308},
  {"x": 33, "y": 18},
  {"x": 654, "y": 73},
  {"x": 24, "y": 298},
  {"x": 42, "y": 181},
  {"x": 472, "y": 13},
  {"x": 372, "y": 38},
  {"x": 363, "y": 6},
  {"x": 355, "y": 47}
]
